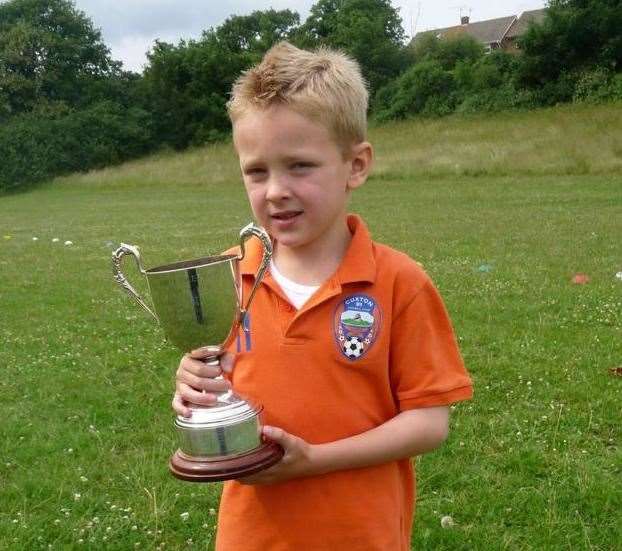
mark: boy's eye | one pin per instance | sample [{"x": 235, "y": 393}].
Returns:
[
  {"x": 255, "y": 172},
  {"x": 301, "y": 165}
]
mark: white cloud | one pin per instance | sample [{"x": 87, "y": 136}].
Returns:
[
  {"x": 130, "y": 27},
  {"x": 131, "y": 49}
]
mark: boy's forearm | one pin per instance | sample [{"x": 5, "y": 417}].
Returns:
[{"x": 409, "y": 433}]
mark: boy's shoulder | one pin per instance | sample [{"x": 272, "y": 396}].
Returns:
[{"x": 397, "y": 267}]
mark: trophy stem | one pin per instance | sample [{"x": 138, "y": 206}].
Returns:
[{"x": 226, "y": 397}]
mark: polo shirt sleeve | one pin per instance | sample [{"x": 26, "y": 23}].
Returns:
[{"x": 426, "y": 367}]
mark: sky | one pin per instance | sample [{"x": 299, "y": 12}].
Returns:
[{"x": 130, "y": 27}]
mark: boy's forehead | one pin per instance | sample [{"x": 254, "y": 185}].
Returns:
[
  {"x": 278, "y": 117},
  {"x": 278, "y": 126}
]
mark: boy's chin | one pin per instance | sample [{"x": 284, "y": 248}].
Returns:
[{"x": 288, "y": 241}]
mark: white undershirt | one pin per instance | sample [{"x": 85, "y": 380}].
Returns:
[{"x": 296, "y": 293}]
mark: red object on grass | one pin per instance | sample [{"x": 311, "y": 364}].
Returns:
[{"x": 580, "y": 279}]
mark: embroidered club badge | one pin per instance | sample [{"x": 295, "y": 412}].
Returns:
[{"x": 356, "y": 325}]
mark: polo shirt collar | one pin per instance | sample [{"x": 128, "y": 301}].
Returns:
[{"x": 357, "y": 265}]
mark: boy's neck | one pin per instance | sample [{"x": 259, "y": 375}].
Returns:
[{"x": 315, "y": 263}]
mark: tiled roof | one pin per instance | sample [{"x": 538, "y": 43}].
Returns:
[
  {"x": 488, "y": 32},
  {"x": 519, "y": 27}
]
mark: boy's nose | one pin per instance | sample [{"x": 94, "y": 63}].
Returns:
[{"x": 277, "y": 189}]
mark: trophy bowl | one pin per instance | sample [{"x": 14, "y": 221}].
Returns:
[{"x": 199, "y": 304}]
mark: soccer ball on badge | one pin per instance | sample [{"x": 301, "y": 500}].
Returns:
[{"x": 353, "y": 347}]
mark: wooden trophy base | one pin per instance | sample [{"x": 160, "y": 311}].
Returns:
[{"x": 204, "y": 469}]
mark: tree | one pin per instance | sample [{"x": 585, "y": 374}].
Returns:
[
  {"x": 574, "y": 36},
  {"x": 426, "y": 88},
  {"x": 447, "y": 51},
  {"x": 50, "y": 54},
  {"x": 488, "y": 72},
  {"x": 369, "y": 30},
  {"x": 257, "y": 32},
  {"x": 189, "y": 84}
]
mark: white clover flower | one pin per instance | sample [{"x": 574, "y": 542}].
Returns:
[
  {"x": 619, "y": 275},
  {"x": 212, "y": 511},
  {"x": 184, "y": 516},
  {"x": 76, "y": 497},
  {"x": 35, "y": 238},
  {"x": 68, "y": 243},
  {"x": 55, "y": 240},
  {"x": 447, "y": 522}
]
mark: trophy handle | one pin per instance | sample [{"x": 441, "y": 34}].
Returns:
[
  {"x": 117, "y": 255},
  {"x": 249, "y": 231}
]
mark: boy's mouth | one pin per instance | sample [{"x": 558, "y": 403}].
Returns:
[{"x": 285, "y": 215}]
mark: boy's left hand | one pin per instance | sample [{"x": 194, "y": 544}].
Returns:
[{"x": 295, "y": 463}]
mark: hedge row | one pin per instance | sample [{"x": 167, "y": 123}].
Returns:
[{"x": 34, "y": 148}]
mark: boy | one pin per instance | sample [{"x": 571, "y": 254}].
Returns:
[{"x": 351, "y": 350}]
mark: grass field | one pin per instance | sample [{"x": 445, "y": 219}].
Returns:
[{"x": 501, "y": 211}]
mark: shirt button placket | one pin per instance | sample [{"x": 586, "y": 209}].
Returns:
[{"x": 285, "y": 314}]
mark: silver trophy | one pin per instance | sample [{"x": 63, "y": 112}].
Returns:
[{"x": 199, "y": 303}]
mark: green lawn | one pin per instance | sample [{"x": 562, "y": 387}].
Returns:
[{"x": 501, "y": 211}]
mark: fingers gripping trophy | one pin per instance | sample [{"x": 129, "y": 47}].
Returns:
[{"x": 200, "y": 303}]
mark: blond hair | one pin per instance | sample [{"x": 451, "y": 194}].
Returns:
[{"x": 325, "y": 85}]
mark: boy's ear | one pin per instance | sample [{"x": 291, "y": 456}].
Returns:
[{"x": 361, "y": 161}]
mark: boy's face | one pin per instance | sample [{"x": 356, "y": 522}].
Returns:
[{"x": 296, "y": 177}]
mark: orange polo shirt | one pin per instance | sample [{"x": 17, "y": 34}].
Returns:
[{"x": 374, "y": 340}]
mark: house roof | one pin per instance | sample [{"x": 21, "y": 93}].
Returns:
[
  {"x": 488, "y": 32},
  {"x": 519, "y": 27}
]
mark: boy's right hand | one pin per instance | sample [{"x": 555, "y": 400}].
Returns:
[{"x": 195, "y": 380}]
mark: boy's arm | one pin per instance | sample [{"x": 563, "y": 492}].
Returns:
[{"x": 411, "y": 432}]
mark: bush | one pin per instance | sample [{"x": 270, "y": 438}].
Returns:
[
  {"x": 447, "y": 51},
  {"x": 597, "y": 85},
  {"x": 556, "y": 91},
  {"x": 488, "y": 72},
  {"x": 426, "y": 88},
  {"x": 504, "y": 98},
  {"x": 33, "y": 149}
]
